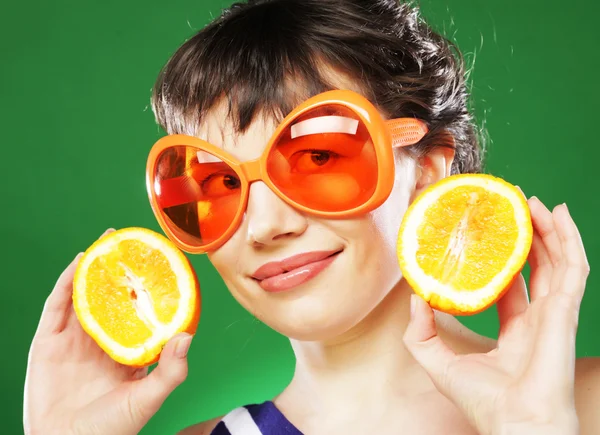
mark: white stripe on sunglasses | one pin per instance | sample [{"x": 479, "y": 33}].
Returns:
[{"x": 325, "y": 124}]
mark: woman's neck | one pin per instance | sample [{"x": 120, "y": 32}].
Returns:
[{"x": 370, "y": 361}]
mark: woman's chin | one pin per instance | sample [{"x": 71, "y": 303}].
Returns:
[
  {"x": 324, "y": 312},
  {"x": 316, "y": 323},
  {"x": 317, "y": 333}
]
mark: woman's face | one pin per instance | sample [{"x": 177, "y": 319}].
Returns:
[{"x": 318, "y": 300}]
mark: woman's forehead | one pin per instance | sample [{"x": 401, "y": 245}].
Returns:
[{"x": 218, "y": 128}]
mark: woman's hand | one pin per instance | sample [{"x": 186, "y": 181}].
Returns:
[
  {"x": 74, "y": 387},
  {"x": 526, "y": 384}
]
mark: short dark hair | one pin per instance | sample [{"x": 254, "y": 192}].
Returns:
[{"x": 254, "y": 50}]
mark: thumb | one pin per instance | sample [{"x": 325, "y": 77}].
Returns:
[
  {"x": 150, "y": 393},
  {"x": 425, "y": 345}
]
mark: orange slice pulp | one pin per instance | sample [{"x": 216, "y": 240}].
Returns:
[
  {"x": 463, "y": 241},
  {"x": 133, "y": 290}
]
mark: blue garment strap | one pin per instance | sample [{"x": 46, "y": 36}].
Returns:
[{"x": 258, "y": 419}]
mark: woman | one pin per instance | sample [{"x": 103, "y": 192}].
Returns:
[{"x": 371, "y": 357}]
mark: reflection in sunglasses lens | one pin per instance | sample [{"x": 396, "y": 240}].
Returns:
[
  {"x": 198, "y": 193},
  {"x": 325, "y": 160}
]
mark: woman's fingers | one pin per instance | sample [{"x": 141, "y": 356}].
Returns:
[
  {"x": 554, "y": 343},
  {"x": 58, "y": 303},
  {"x": 548, "y": 256},
  {"x": 149, "y": 394},
  {"x": 558, "y": 314},
  {"x": 425, "y": 345},
  {"x": 513, "y": 303},
  {"x": 544, "y": 224},
  {"x": 541, "y": 269},
  {"x": 574, "y": 268},
  {"x": 540, "y": 275}
]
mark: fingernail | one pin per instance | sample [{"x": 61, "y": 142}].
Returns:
[
  {"x": 182, "y": 347},
  {"x": 522, "y": 193},
  {"x": 413, "y": 305},
  {"x": 110, "y": 230}
]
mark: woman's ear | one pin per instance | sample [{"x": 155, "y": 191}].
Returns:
[{"x": 436, "y": 164}]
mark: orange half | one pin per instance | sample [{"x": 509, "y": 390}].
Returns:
[
  {"x": 133, "y": 290},
  {"x": 463, "y": 241}
]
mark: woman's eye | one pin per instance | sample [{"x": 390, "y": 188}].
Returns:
[
  {"x": 313, "y": 160},
  {"x": 220, "y": 184},
  {"x": 319, "y": 158}
]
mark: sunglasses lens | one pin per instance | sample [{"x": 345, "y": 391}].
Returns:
[
  {"x": 198, "y": 194},
  {"x": 325, "y": 160}
]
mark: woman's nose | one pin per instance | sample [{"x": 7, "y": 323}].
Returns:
[{"x": 270, "y": 220}]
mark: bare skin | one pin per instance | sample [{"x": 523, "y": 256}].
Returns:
[
  {"x": 366, "y": 362},
  {"x": 413, "y": 408},
  {"x": 73, "y": 387},
  {"x": 407, "y": 368},
  {"x": 406, "y": 401},
  {"x": 397, "y": 401}
]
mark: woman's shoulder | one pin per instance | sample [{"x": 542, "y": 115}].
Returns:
[
  {"x": 587, "y": 394},
  {"x": 265, "y": 418},
  {"x": 256, "y": 419}
]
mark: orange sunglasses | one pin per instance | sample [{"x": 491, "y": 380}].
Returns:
[{"x": 330, "y": 157}]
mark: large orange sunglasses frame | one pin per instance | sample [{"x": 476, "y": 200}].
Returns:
[{"x": 385, "y": 135}]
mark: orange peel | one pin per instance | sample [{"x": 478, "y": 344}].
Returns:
[{"x": 133, "y": 290}]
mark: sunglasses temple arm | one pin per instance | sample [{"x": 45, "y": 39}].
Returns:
[{"x": 406, "y": 131}]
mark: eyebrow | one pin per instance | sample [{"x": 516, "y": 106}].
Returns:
[{"x": 325, "y": 124}]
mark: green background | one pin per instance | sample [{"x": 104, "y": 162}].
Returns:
[{"x": 75, "y": 80}]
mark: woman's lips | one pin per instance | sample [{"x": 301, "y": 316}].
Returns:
[{"x": 293, "y": 271}]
